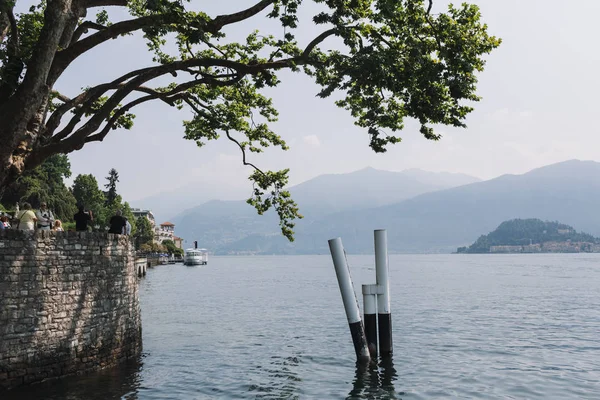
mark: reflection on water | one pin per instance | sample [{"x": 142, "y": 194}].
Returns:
[
  {"x": 121, "y": 382},
  {"x": 375, "y": 380}
]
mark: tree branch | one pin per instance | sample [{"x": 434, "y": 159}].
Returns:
[
  {"x": 220, "y": 21},
  {"x": 60, "y": 96},
  {"x": 113, "y": 120},
  {"x": 243, "y": 152},
  {"x": 430, "y": 22},
  {"x": 124, "y": 90},
  {"x": 104, "y": 3},
  {"x": 84, "y": 28},
  {"x": 14, "y": 65},
  {"x": 137, "y": 77},
  {"x": 65, "y": 57}
]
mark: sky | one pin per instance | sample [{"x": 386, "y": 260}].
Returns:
[{"x": 539, "y": 105}]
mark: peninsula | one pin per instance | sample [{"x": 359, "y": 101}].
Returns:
[{"x": 534, "y": 236}]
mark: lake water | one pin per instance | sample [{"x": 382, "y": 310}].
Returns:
[{"x": 465, "y": 326}]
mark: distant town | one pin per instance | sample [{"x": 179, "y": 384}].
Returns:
[
  {"x": 534, "y": 236},
  {"x": 162, "y": 232}
]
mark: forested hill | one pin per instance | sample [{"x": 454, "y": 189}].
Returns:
[{"x": 523, "y": 232}]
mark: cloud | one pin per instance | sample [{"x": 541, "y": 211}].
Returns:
[{"x": 312, "y": 140}]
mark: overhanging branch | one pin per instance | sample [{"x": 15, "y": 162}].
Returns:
[
  {"x": 83, "y": 29},
  {"x": 78, "y": 47},
  {"x": 104, "y": 3},
  {"x": 220, "y": 21},
  {"x": 132, "y": 81}
]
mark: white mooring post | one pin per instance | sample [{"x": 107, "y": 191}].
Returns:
[
  {"x": 384, "y": 314},
  {"x": 370, "y": 317},
  {"x": 349, "y": 299}
]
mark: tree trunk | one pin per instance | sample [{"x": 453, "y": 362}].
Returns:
[{"x": 22, "y": 114}]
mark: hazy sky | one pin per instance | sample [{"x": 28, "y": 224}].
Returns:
[{"x": 539, "y": 106}]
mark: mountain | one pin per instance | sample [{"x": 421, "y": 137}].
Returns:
[
  {"x": 226, "y": 224},
  {"x": 443, "y": 179},
  {"x": 167, "y": 204},
  {"x": 444, "y": 220},
  {"x": 368, "y": 187}
]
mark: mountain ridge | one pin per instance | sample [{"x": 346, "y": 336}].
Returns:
[{"x": 214, "y": 224}]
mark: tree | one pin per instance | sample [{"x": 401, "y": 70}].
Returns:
[
  {"x": 87, "y": 193},
  {"x": 111, "y": 193},
  {"x": 144, "y": 233},
  {"x": 45, "y": 183},
  {"x": 152, "y": 247},
  {"x": 171, "y": 248},
  {"x": 385, "y": 60}
]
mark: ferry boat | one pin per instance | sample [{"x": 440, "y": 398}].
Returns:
[{"x": 195, "y": 257}]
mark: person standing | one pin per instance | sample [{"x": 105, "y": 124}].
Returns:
[
  {"x": 127, "y": 229},
  {"x": 118, "y": 224},
  {"x": 26, "y": 218},
  {"x": 44, "y": 216},
  {"x": 82, "y": 218}
]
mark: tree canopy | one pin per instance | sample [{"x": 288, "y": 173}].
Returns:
[
  {"x": 111, "y": 186},
  {"x": 102, "y": 204},
  {"x": 144, "y": 233},
  {"x": 86, "y": 192},
  {"x": 385, "y": 60},
  {"x": 44, "y": 184}
]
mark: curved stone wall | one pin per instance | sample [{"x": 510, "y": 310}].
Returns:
[{"x": 68, "y": 304}]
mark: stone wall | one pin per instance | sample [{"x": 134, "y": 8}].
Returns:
[{"x": 68, "y": 304}]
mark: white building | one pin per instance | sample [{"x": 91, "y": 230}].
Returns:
[
  {"x": 138, "y": 212},
  {"x": 164, "y": 232}
]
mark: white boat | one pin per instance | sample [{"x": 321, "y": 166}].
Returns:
[{"x": 195, "y": 257}]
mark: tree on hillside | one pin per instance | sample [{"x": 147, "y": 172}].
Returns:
[
  {"x": 44, "y": 183},
  {"x": 384, "y": 61},
  {"x": 111, "y": 186},
  {"x": 86, "y": 191}
]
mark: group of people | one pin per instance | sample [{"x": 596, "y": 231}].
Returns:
[
  {"x": 29, "y": 220},
  {"x": 43, "y": 219},
  {"x": 118, "y": 223}
]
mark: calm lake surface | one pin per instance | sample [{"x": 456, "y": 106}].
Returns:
[{"x": 465, "y": 326}]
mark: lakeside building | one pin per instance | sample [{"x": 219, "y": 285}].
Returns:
[
  {"x": 549, "y": 247},
  {"x": 530, "y": 248},
  {"x": 164, "y": 231},
  {"x": 178, "y": 241},
  {"x": 138, "y": 212}
]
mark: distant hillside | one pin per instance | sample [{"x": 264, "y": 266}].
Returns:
[
  {"x": 443, "y": 179},
  {"x": 233, "y": 226},
  {"x": 167, "y": 204},
  {"x": 369, "y": 187},
  {"x": 444, "y": 220},
  {"x": 526, "y": 232}
]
